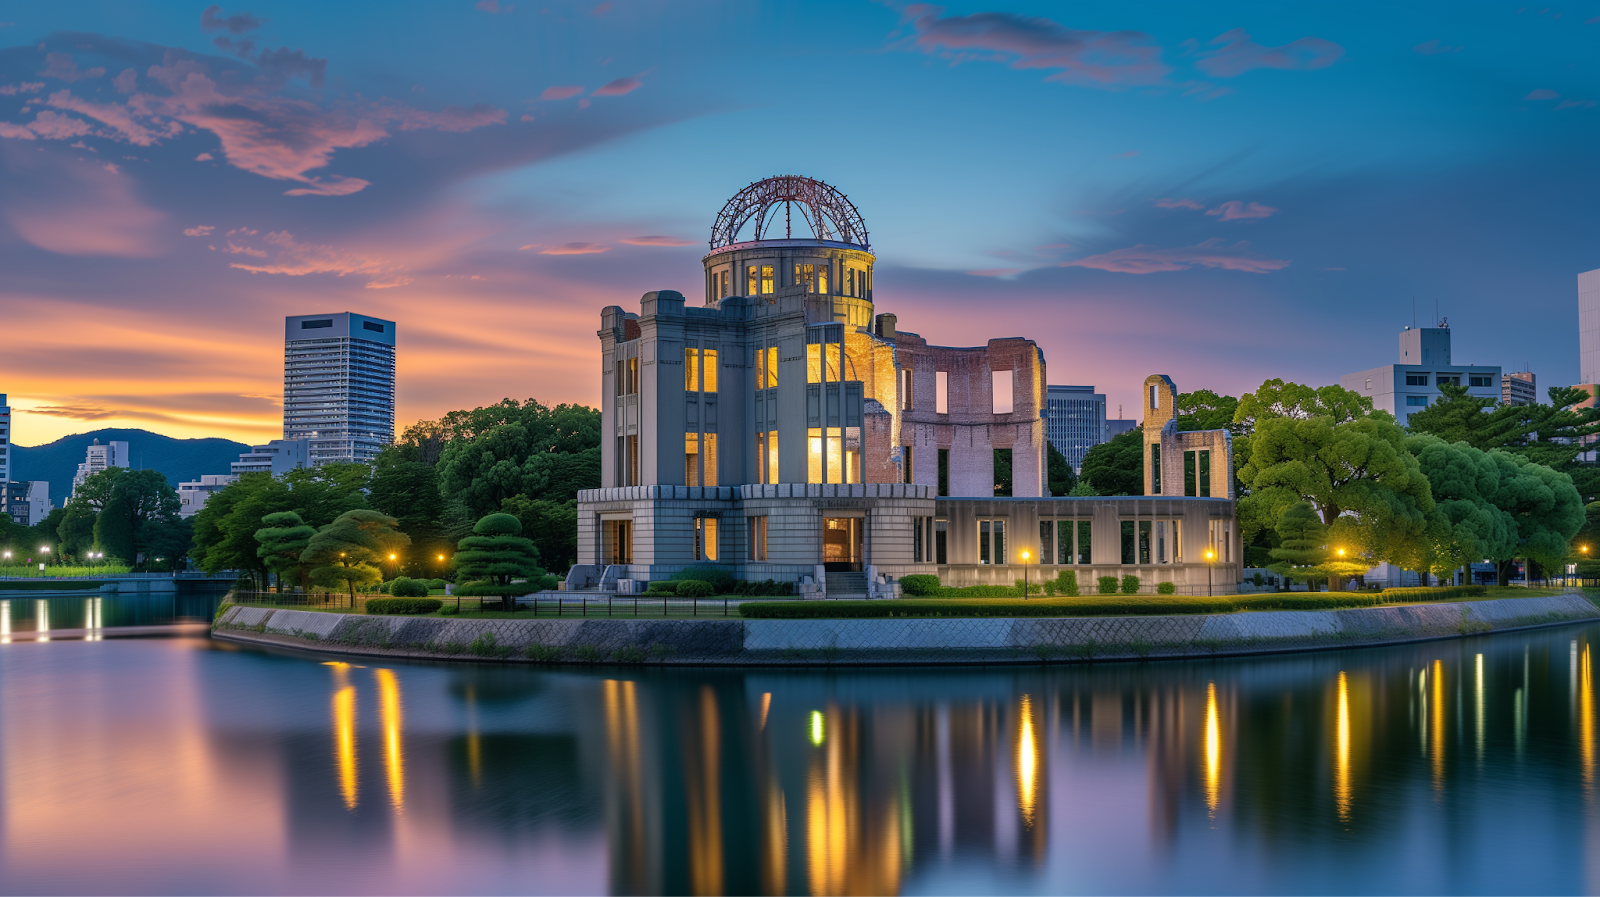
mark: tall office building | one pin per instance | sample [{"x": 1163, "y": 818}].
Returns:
[
  {"x": 338, "y": 385},
  {"x": 5, "y": 440},
  {"x": 98, "y": 458},
  {"x": 1425, "y": 363},
  {"x": 1519, "y": 388},
  {"x": 1589, "y": 326},
  {"x": 1074, "y": 420}
]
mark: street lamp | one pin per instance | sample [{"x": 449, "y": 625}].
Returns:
[
  {"x": 1024, "y": 574},
  {"x": 1210, "y": 556}
]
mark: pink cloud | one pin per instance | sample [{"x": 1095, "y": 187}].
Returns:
[
  {"x": 455, "y": 119},
  {"x": 1239, "y": 54},
  {"x": 1575, "y": 104},
  {"x": 236, "y": 249},
  {"x": 574, "y": 249},
  {"x": 297, "y": 259},
  {"x": 203, "y": 230},
  {"x": 656, "y": 241},
  {"x": 1541, "y": 94},
  {"x": 1234, "y": 210},
  {"x": 126, "y": 82},
  {"x": 48, "y": 126},
  {"x": 1145, "y": 259},
  {"x": 84, "y": 210},
  {"x": 11, "y": 90},
  {"x": 492, "y": 7},
  {"x": 114, "y": 115},
  {"x": 62, "y": 67},
  {"x": 203, "y": 157},
  {"x": 995, "y": 272},
  {"x": 391, "y": 281},
  {"x": 601, "y": 10},
  {"x": 566, "y": 92},
  {"x": 212, "y": 19},
  {"x": 619, "y": 87},
  {"x": 1178, "y": 204},
  {"x": 1089, "y": 58}
]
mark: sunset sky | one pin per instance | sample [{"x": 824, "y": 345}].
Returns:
[{"x": 1221, "y": 192}]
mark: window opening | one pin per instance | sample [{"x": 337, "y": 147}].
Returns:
[
  {"x": 944, "y": 471},
  {"x": 1047, "y": 541},
  {"x": 905, "y": 461},
  {"x": 918, "y": 524},
  {"x": 1003, "y": 395},
  {"x": 766, "y": 279},
  {"x": 1085, "y": 541},
  {"x": 940, "y": 526},
  {"x": 758, "y": 538},
  {"x": 941, "y": 392},
  {"x": 1144, "y": 541},
  {"x": 1155, "y": 468},
  {"x": 708, "y": 358},
  {"x": 752, "y": 281},
  {"x": 1129, "y": 542},
  {"x": 691, "y": 370},
  {"x": 705, "y": 538},
  {"x": 1002, "y": 471}
]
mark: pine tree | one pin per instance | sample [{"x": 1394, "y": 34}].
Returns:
[
  {"x": 494, "y": 555},
  {"x": 283, "y": 538},
  {"x": 1303, "y": 534}
]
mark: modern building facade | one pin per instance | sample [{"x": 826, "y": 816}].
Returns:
[
  {"x": 338, "y": 385},
  {"x": 26, "y": 503},
  {"x": 1589, "y": 326},
  {"x": 277, "y": 457},
  {"x": 193, "y": 494},
  {"x": 1413, "y": 383},
  {"x": 1074, "y": 420},
  {"x": 1519, "y": 388},
  {"x": 786, "y": 429},
  {"x": 5, "y": 440},
  {"x": 98, "y": 457}
]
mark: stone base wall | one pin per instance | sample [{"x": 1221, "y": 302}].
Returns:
[{"x": 736, "y": 641}]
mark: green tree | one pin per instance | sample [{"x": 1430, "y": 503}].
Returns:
[
  {"x": 75, "y": 533},
  {"x": 1206, "y": 410},
  {"x": 551, "y": 525},
  {"x": 283, "y": 537},
  {"x": 494, "y": 556},
  {"x": 1302, "y": 537},
  {"x": 139, "y": 514},
  {"x": 350, "y": 551},
  {"x": 46, "y": 531},
  {"x": 1327, "y": 447},
  {"x": 225, "y": 528},
  {"x": 1550, "y": 434},
  {"x": 409, "y": 492},
  {"x": 1059, "y": 474},
  {"x": 1116, "y": 467},
  {"x": 504, "y": 450},
  {"x": 1465, "y": 482},
  {"x": 1544, "y": 505}
]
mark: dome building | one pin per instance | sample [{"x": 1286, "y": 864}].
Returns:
[{"x": 784, "y": 428}]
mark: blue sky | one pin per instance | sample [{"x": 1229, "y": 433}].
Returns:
[{"x": 1220, "y": 192}]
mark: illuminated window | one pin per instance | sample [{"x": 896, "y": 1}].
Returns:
[
  {"x": 705, "y": 538},
  {"x": 766, "y": 279},
  {"x": 1002, "y": 391},
  {"x": 807, "y": 275},
  {"x": 941, "y": 392},
  {"x": 709, "y": 440},
  {"x": 709, "y": 358},
  {"x": 633, "y": 376},
  {"x": 758, "y": 538},
  {"x": 822, "y": 279},
  {"x": 771, "y": 367},
  {"x": 752, "y": 281},
  {"x": 767, "y": 456},
  {"x": 691, "y": 459},
  {"x": 691, "y": 370},
  {"x": 722, "y": 283},
  {"x": 633, "y": 461}
]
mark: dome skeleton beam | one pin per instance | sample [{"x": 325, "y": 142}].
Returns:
[{"x": 828, "y": 212}]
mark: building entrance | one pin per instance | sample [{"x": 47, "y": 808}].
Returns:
[
  {"x": 618, "y": 548},
  {"x": 841, "y": 544}
]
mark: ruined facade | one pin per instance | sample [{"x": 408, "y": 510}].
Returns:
[{"x": 785, "y": 429}]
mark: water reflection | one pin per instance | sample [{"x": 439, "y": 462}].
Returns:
[
  {"x": 5, "y": 621},
  {"x": 1325, "y": 772}
]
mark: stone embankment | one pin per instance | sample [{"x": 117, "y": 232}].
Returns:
[{"x": 888, "y": 641}]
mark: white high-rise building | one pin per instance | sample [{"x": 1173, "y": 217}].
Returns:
[
  {"x": 1589, "y": 326},
  {"x": 5, "y": 440},
  {"x": 1425, "y": 363},
  {"x": 98, "y": 458},
  {"x": 338, "y": 385}
]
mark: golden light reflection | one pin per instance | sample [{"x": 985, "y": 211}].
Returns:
[
  {"x": 344, "y": 733},
  {"x": 474, "y": 743},
  {"x": 1213, "y": 751},
  {"x": 766, "y": 705},
  {"x": 626, "y": 788},
  {"x": 829, "y": 805},
  {"x": 41, "y": 613},
  {"x": 846, "y": 851},
  {"x": 1586, "y": 721},
  {"x": 775, "y": 865},
  {"x": 705, "y": 802},
  {"x": 816, "y": 727},
  {"x": 1477, "y": 691},
  {"x": 91, "y": 620},
  {"x": 1436, "y": 726},
  {"x": 5, "y": 622},
  {"x": 1341, "y": 751},
  {"x": 389, "y": 718},
  {"x": 1027, "y": 762}
]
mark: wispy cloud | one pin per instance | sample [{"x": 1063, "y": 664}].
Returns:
[
  {"x": 1234, "y": 210},
  {"x": 1106, "y": 59},
  {"x": 62, "y": 67},
  {"x": 562, "y": 92},
  {"x": 1213, "y": 253},
  {"x": 1178, "y": 204},
  {"x": 619, "y": 87},
  {"x": 203, "y": 230},
  {"x": 1542, "y": 94},
  {"x": 11, "y": 90},
  {"x": 1239, "y": 54},
  {"x": 574, "y": 249},
  {"x": 656, "y": 241},
  {"x": 297, "y": 259}
]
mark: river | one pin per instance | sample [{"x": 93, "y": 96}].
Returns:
[{"x": 175, "y": 765}]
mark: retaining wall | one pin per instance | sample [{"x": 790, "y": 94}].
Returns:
[{"x": 889, "y": 641}]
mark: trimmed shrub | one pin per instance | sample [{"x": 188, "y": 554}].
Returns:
[
  {"x": 1433, "y": 593},
  {"x": 436, "y": 583},
  {"x": 977, "y": 592},
  {"x": 1130, "y": 585},
  {"x": 654, "y": 592},
  {"x": 919, "y": 584},
  {"x": 1166, "y": 588},
  {"x": 721, "y": 580},
  {"x": 665, "y": 587},
  {"x": 1067, "y": 582},
  {"x": 1108, "y": 585},
  {"x": 403, "y": 605},
  {"x": 762, "y": 589},
  {"x": 1057, "y": 607},
  {"x": 408, "y": 588},
  {"x": 383, "y": 588},
  {"x": 694, "y": 588}
]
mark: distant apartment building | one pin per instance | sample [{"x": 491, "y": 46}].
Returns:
[
  {"x": 193, "y": 494},
  {"x": 338, "y": 385},
  {"x": 5, "y": 440},
  {"x": 1588, "y": 344},
  {"x": 1074, "y": 420},
  {"x": 1117, "y": 426},
  {"x": 277, "y": 457},
  {"x": 100, "y": 457},
  {"x": 1425, "y": 364},
  {"x": 26, "y": 503},
  {"x": 1519, "y": 388}
]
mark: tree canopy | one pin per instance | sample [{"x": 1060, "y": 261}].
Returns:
[
  {"x": 1059, "y": 475},
  {"x": 1116, "y": 467},
  {"x": 352, "y": 549},
  {"x": 492, "y": 453},
  {"x": 283, "y": 538},
  {"x": 494, "y": 556},
  {"x": 1549, "y": 434}
]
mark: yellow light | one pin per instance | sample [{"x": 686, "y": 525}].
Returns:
[
  {"x": 816, "y": 727},
  {"x": 1213, "y": 750},
  {"x": 391, "y": 555},
  {"x": 1210, "y": 554},
  {"x": 1341, "y": 753},
  {"x": 390, "y": 719},
  {"x": 1027, "y": 763},
  {"x": 441, "y": 557},
  {"x": 1341, "y": 552}
]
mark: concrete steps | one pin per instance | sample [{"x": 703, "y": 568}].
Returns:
[{"x": 847, "y": 585}]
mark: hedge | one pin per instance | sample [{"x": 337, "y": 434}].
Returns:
[
  {"x": 1433, "y": 593},
  {"x": 694, "y": 588},
  {"x": 403, "y": 605},
  {"x": 1056, "y": 607},
  {"x": 918, "y": 585}
]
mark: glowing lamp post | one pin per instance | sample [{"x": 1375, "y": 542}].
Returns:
[
  {"x": 1210, "y": 556},
  {"x": 44, "y": 550},
  {"x": 1024, "y": 574}
]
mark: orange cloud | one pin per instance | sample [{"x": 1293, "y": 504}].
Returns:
[{"x": 574, "y": 249}]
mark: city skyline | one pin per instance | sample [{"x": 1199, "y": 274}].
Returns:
[{"x": 1261, "y": 192}]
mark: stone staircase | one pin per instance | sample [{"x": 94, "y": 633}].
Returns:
[{"x": 847, "y": 585}]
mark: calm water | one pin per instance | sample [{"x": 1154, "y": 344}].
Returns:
[{"x": 175, "y": 765}]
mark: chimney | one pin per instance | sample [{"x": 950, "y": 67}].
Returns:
[{"x": 885, "y": 328}]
